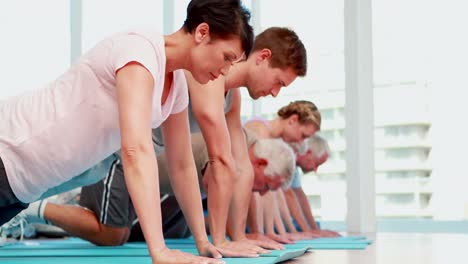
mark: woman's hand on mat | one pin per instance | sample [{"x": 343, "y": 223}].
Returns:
[
  {"x": 232, "y": 249},
  {"x": 325, "y": 233},
  {"x": 308, "y": 235},
  {"x": 207, "y": 249},
  {"x": 330, "y": 233},
  {"x": 169, "y": 256},
  {"x": 263, "y": 241},
  {"x": 283, "y": 239},
  {"x": 263, "y": 246},
  {"x": 295, "y": 236}
]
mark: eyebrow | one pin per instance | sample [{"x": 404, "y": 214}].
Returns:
[{"x": 234, "y": 57}]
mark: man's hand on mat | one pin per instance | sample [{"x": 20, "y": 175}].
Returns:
[
  {"x": 232, "y": 249},
  {"x": 280, "y": 238},
  {"x": 169, "y": 256},
  {"x": 263, "y": 241},
  {"x": 206, "y": 249}
]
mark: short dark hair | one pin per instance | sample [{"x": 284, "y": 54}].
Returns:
[
  {"x": 226, "y": 18},
  {"x": 287, "y": 50}
]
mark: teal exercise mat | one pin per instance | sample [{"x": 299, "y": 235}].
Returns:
[
  {"x": 293, "y": 251},
  {"x": 332, "y": 241},
  {"x": 80, "y": 252},
  {"x": 54, "y": 249},
  {"x": 322, "y": 239},
  {"x": 22, "y": 253},
  {"x": 77, "y": 260},
  {"x": 82, "y": 256},
  {"x": 345, "y": 246},
  {"x": 121, "y": 260}
]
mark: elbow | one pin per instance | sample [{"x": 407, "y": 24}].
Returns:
[
  {"x": 132, "y": 153},
  {"x": 230, "y": 175}
]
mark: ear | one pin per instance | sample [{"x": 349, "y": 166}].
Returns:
[
  {"x": 260, "y": 162},
  {"x": 202, "y": 33},
  {"x": 264, "y": 54},
  {"x": 323, "y": 159},
  {"x": 293, "y": 119}
]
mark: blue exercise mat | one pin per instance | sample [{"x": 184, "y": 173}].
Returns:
[
  {"x": 79, "y": 251},
  {"x": 121, "y": 260},
  {"x": 345, "y": 246}
]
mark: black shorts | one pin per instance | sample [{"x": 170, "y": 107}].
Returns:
[{"x": 10, "y": 206}]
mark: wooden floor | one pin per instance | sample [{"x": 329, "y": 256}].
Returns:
[{"x": 398, "y": 248}]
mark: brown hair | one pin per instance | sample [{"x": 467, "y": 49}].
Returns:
[
  {"x": 306, "y": 112},
  {"x": 287, "y": 50}
]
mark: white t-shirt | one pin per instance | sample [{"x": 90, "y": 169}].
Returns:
[{"x": 53, "y": 134}]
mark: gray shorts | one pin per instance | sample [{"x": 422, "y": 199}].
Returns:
[{"x": 109, "y": 198}]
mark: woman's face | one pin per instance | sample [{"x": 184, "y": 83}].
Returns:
[
  {"x": 294, "y": 132},
  {"x": 211, "y": 58}
]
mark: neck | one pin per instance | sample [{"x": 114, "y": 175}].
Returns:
[
  {"x": 276, "y": 127},
  {"x": 237, "y": 76},
  {"x": 177, "y": 47}
]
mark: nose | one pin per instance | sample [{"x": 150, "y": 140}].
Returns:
[
  {"x": 274, "y": 92},
  {"x": 225, "y": 69}
]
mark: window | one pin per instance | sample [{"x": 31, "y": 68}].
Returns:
[{"x": 35, "y": 47}]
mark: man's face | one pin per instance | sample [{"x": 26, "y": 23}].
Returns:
[
  {"x": 310, "y": 162},
  {"x": 265, "y": 80},
  {"x": 264, "y": 183}
]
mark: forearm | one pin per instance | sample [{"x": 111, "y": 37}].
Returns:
[
  {"x": 284, "y": 211},
  {"x": 187, "y": 190},
  {"x": 278, "y": 223},
  {"x": 295, "y": 209},
  {"x": 240, "y": 203},
  {"x": 219, "y": 198},
  {"x": 141, "y": 177},
  {"x": 268, "y": 213},
  {"x": 306, "y": 209},
  {"x": 255, "y": 216}
]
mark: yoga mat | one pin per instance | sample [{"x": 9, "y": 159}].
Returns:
[
  {"x": 332, "y": 241},
  {"x": 328, "y": 246},
  {"x": 79, "y": 251},
  {"x": 121, "y": 260},
  {"x": 323, "y": 239}
]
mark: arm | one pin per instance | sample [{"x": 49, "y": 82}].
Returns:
[
  {"x": 243, "y": 186},
  {"x": 255, "y": 215},
  {"x": 284, "y": 211},
  {"x": 304, "y": 205},
  {"x": 209, "y": 113},
  {"x": 315, "y": 231},
  {"x": 295, "y": 209},
  {"x": 134, "y": 99},
  {"x": 183, "y": 177},
  {"x": 135, "y": 88},
  {"x": 272, "y": 218}
]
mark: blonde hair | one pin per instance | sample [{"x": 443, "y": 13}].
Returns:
[
  {"x": 306, "y": 111},
  {"x": 280, "y": 157}
]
